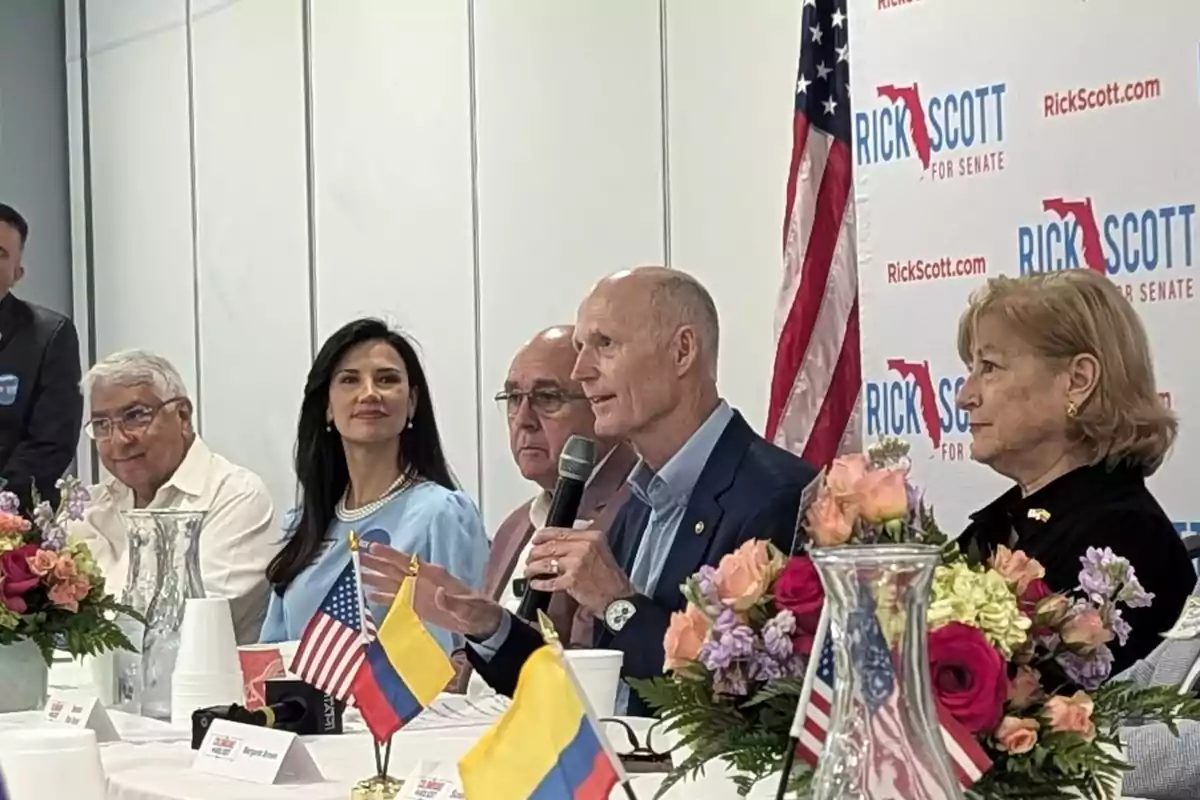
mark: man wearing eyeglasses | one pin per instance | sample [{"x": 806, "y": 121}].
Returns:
[
  {"x": 40, "y": 404},
  {"x": 545, "y": 408},
  {"x": 141, "y": 421}
]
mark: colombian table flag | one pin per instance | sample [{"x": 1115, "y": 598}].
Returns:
[
  {"x": 404, "y": 671},
  {"x": 545, "y": 747}
]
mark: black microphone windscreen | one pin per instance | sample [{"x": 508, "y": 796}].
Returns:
[{"x": 577, "y": 459}]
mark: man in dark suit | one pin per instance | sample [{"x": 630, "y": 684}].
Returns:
[
  {"x": 41, "y": 407},
  {"x": 646, "y": 344}
]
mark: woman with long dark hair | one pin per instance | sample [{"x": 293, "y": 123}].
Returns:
[{"x": 369, "y": 460}]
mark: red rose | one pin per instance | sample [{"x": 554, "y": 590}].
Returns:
[
  {"x": 799, "y": 591},
  {"x": 17, "y": 577},
  {"x": 969, "y": 676},
  {"x": 1034, "y": 592}
]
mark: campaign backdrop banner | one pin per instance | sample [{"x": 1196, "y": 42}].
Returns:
[{"x": 1014, "y": 138}]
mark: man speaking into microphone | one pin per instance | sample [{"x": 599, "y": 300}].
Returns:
[{"x": 646, "y": 345}]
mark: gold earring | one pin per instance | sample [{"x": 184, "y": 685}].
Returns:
[{"x": 1072, "y": 410}]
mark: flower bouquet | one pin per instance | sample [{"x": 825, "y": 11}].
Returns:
[
  {"x": 1021, "y": 668},
  {"x": 51, "y": 590}
]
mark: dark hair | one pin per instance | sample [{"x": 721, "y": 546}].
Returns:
[
  {"x": 13, "y": 217},
  {"x": 321, "y": 461}
]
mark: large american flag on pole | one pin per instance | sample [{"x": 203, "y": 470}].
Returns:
[
  {"x": 890, "y": 766},
  {"x": 818, "y": 366},
  {"x": 333, "y": 646}
]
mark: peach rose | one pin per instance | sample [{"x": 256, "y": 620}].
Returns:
[
  {"x": 1017, "y": 568},
  {"x": 1084, "y": 631},
  {"x": 1016, "y": 735},
  {"x": 12, "y": 523},
  {"x": 1071, "y": 715},
  {"x": 827, "y": 521},
  {"x": 685, "y": 636},
  {"x": 844, "y": 474},
  {"x": 1024, "y": 688},
  {"x": 882, "y": 496},
  {"x": 65, "y": 569},
  {"x": 743, "y": 576},
  {"x": 1051, "y": 611},
  {"x": 43, "y": 563},
  {"x": 67, "y": 594}
]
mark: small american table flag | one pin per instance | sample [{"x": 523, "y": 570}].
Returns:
[
  {"x": 333, "y": 646},
  {"x": 818, "y": 366},
  {"x": 890, "y": 760}
]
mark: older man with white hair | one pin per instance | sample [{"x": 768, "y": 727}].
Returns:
[{"x": 141, "y": 421}]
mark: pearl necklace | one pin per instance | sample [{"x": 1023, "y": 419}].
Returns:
[{"x": 347, "y": 515}]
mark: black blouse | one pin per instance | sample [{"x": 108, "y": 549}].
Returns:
[{"x": 1095, "y": 507}]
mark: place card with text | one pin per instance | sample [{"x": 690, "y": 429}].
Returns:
[
  {"x": 81, "y": 712},
  {"x": 256, "y": 755}
]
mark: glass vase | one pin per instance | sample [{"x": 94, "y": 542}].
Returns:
[
  {"x": 164, "y": 573},
  {"x": 883, "y": 741},
  {"x": 23, "y": 677}
]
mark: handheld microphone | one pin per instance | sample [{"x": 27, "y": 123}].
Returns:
[
  {"x": 574, "y": 468},
  {"x": 292, "y": 705}
]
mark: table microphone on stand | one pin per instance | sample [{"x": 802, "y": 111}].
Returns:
[{"x": 574, "y": 469}]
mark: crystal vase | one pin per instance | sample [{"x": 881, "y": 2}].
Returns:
[
  {"x": 883, "y": 742},
  {"x": 164, "y": 573},
  {"x": 23, "y": 677}
]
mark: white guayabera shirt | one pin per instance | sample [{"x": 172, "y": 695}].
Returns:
[{"x": 237, "y": 539}]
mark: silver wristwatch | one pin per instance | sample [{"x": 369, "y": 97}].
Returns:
[{"x": 618, "y": 613}]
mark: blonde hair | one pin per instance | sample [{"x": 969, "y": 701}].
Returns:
[{"x": 1072, "y": 312}]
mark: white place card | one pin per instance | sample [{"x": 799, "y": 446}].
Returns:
[
  {"x": 255, "y": 755},
  {"x": 1188, "y": 624},
  {"x": 81, "y": 712},
  {"x": 432, "y": 780}
]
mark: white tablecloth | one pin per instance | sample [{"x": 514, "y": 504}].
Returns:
[{"x": 153, "y": 762}]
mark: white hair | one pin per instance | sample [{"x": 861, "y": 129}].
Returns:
[{"x": 137, "y": 368}]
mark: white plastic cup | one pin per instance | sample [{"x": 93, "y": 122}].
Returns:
[
  {"x": 191, "y": 692},
  {"x": 598, "y": 673},
  {"x": 52, "y": 762},
  {"x": 206, "y": 640}
]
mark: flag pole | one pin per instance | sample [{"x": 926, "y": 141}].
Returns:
[
  {"x": 810, "y": 677},
  {"x": 550, "y": 637}
]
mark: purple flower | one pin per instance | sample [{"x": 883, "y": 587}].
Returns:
[
  {"x": 1133, "y": 595},
  {"x": 1097, "y": 578},
  {"x": 706, "y": 581},
  {"x": 1120, "y": 628},
  {"x": 731, "y": 682},
  {"x": 726, "y": 621},
  {"x": 726, "y": 646},
  {"x": 764, "y": 667},
  {"x": 777, "y": 636},
  {"x": 9, "y": 502},
  {"x": 1089, "y": 671}
]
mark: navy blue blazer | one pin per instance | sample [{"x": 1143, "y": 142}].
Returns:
[{"x": 748, "y": 489}]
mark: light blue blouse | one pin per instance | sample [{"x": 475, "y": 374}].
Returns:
[{"x": 440, "y": 526}]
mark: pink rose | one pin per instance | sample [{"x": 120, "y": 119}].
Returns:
[
  {"x": 12, "y": 523},
  {"x": 882, "y": 496},
  {"x": 1016, "y": 735},
  {"x": 1017, "y": 568},
  {"x": 743, "y": 576},
  {"x": 844, "y": 474},
  {"x": 65, "y": 569},
  {"x": 799, "y": 591},
  {"x": 1024, "y": 688},
  {"x": 1084, "y": 631},
  {"x": 1071, "y": 715},
  {"x": 968, "y": 675},
  {"x": 1051, "y": 611},
  {"x": 43, "y": 563},
  {"x": 17, "y": 577},
  {"x": 67, "y": 594},
  {"x": 685, "y": 636},
  {"x": 828, "y": 522}
]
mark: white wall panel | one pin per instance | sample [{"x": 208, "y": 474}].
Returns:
[
  {"x": 252, "y": 230},
  {"x": 570, "y": 176},
  {"x": 76, "y": 161},
  {"x": 394, "y": 237},
  {"x": 141, "y": 185},
  {"x": 731, "y": 88}
]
